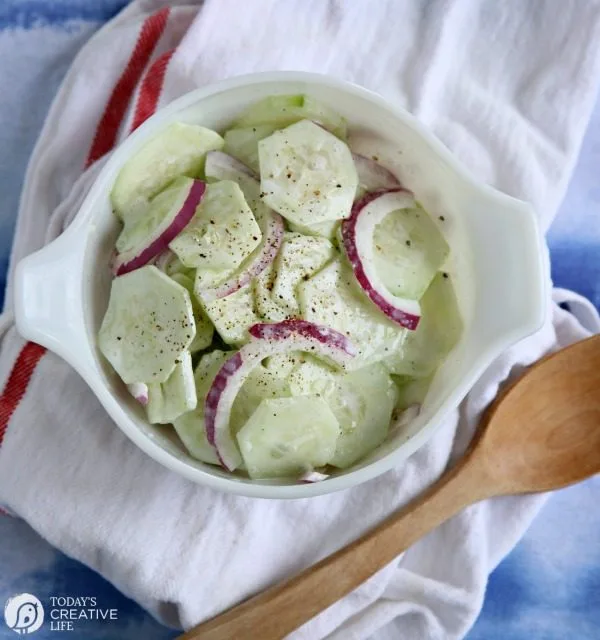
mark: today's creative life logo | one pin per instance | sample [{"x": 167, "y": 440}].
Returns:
[{"x": 24, "y": 613}]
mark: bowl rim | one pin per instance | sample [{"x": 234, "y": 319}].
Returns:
[{"x": 348, "y": 478}]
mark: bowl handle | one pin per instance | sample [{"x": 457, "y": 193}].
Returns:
[
  {"x": 47, "y": 298},
  {"x": 513, "y": 267}
]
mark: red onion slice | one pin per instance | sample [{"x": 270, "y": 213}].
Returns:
[
  {"x": 159, "y": 239},
  {"x": 139, "y": 391},
  {"x": 357, "y": 236},
  {"x": 372, "y": 175},
  {"x": 269, "y": 339},
  {"x": 331, "y": 340}
]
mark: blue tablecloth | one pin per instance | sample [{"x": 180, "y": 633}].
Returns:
[{"x": 547, "y": 589}]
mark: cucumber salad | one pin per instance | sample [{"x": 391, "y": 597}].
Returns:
[{"x": 278, "y": 298}]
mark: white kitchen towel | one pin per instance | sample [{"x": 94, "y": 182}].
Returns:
[{"x": 507, "y": 86}]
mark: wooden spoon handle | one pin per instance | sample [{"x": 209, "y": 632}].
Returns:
[{"x": 281, "y": 609}]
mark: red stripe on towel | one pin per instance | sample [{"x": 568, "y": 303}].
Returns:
[
  {"x": 108, "y": 127},
  {"x": 104, "y": 140},
  {"x": 151, "y": 89}
]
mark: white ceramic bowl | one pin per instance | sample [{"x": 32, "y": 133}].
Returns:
[{"x": 498, "y": 264}]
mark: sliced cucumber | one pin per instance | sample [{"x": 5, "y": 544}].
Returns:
[
  {"x": 267, "y": 381},
  {"x": 190, "y": 429},
  {"x": 170, "y": 264},
  {"x": 287, "y": 436},
  {"x": 408, "y": 251},
  {"x": 312, "y": 377},
  {"x": 207, "y": 278},
  {"x": 437, "y": 334},
  {"x": 282, "y": 111},
  {"x": 299, "y": 258},
  {"x": 178, "y": 150},
  {"x": 327, "y": 229},
  {"x": 267, "y": 306},
  {"x": 219, "y": 284},
  {"x": 233, "y": 315},
  {"x": 362, "y": 403},
  {"x": 159, "y": 213},
  {"x": 411, "y": 391},
  {"x": 190, "y": 426},
  {"x": 221, "y": 166},
  {"x": 307, "y": 174},
  {"x": 222, "y": 232},
  {"x": 174, "y": 397},
  {"x": 204, "y": 327},
  {"x": 148, "y": 326},
  {"x": 332, "y": 298},
  {"x": 242, "y": 143}
]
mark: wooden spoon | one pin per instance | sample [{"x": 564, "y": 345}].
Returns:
[{"x": 541, "y": 433}]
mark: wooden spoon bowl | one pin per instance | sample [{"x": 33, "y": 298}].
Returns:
[{"x": 541, "y": 433}]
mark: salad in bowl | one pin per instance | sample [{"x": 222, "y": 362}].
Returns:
[{"x": 280, "y": 297}]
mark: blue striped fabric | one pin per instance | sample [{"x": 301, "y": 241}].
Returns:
[
  {"x": 33, "y": 14},
  {"x": 547, "y": 589}
]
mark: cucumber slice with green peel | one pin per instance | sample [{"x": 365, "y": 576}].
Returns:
[
  {"x": 307, "y": 174},
  {"x": 178, "y": 150},
  {"x": 288, "y": 436},
  {"x": 174, "y": 397},
  {"x": 223, "y": 231},
  {"x": 233, "y": 315},
  {"x": 299, "y": 258},
  {"x": 362, "y": 402},
  {"x": 282, "y": 111},
  {"x": 332, "y": 298},
  {"x": 148, "y": 326},
  {"x": 204, "y": 327},
  {"x": 267, "y": 307},
  {"x": 190, "y": 426},
  {"x": 242, "y": 143},
  {"x": 437, "y": 334},
  {"x": 409, "y": 249}
]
